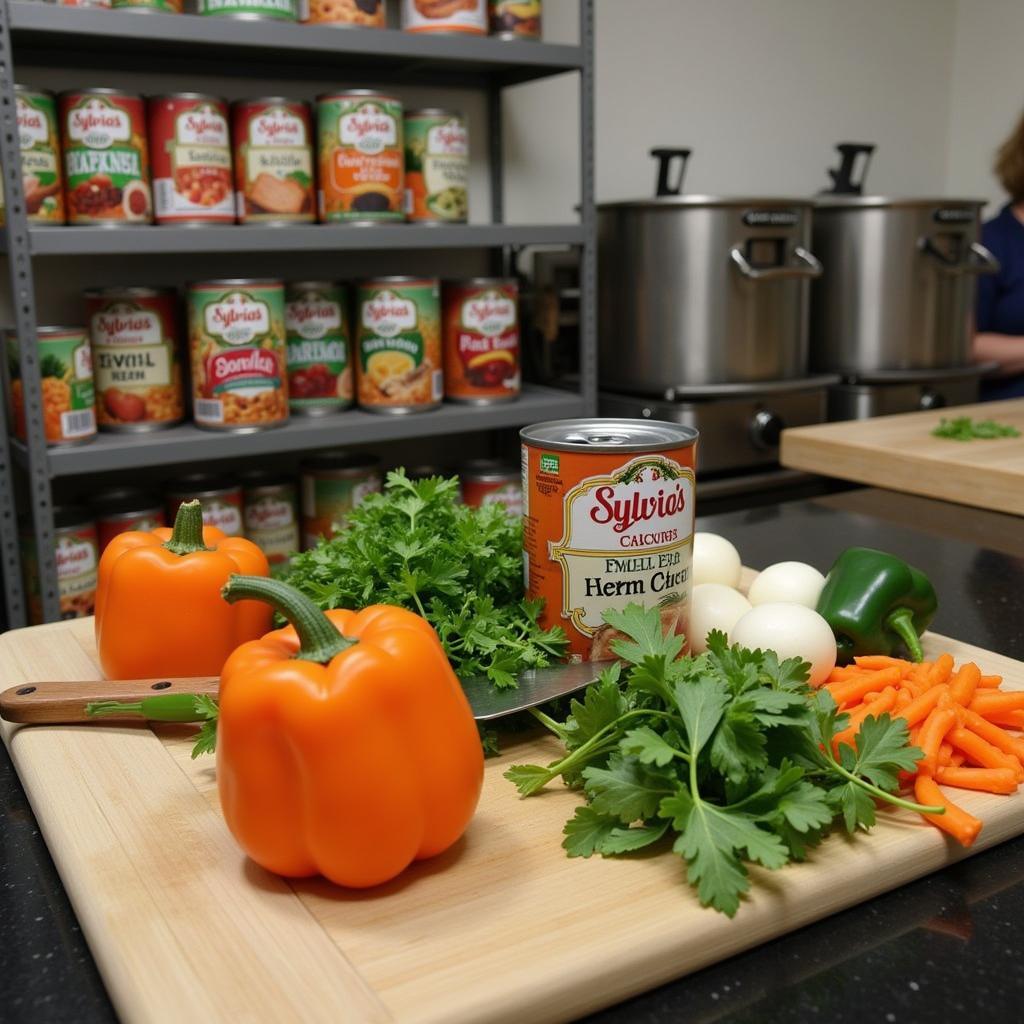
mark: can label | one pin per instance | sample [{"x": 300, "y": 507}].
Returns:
[
  {"x": 319, "y": 367},
  {"x": 273, "y": 162},
  {"x": 236, "y": 338},
  {"x": 272, "y": 523},
  {"x": 166, "y": 6},
  {"x": 327, "y": 499},
  {"x": 41, "y": 177},
  {"x": 135, "y": 355},
  {"x": 366, "y": 13},
  {"x": 361, "y": 158},
  {"x": 109, "y": 527},
  {"x": 106, "y": 162},
  {"x": 509, "y": 493},
  {"x": 467, "y": 16},
  {"x": 602, "y": 531},
  {"x": 76, "y": 552},
  {"x": 436, "y": 168},
  {"x": 222, "y": 509},
  {"x": 520, "y": 18},
  {"x": 481, "y": 341},
  {"x": 65, "y": 366},
  {"x": 399, "y": 345},
  {"x": 279, "y": 10},
  {"x": 191, "y": 160}
]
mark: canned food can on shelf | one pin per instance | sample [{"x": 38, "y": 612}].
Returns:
[
  {"x": 250, "y": 10},
  {"x": 42, "y": 178},
  {"x": 76, "y": 551},
  {"x": 515, "y": 19},
  {"x": 436, "y": 167},
  {"x": 136, "y": 357},
  {"x": 237, "y": 354},
  {"x": 398, "y": 345},
  {"x": 122, "y": 509},
  {"x": 83, "y": 3},
  {"x": 334, "y": 483},
  {"x": 273, "y": 161},
  {"x": 481, "y": 340},
  {"x": 464, "y": 17},
  {"x": 346, "y": 13},
  {"x": 608, "y": 510},
  {"x": 270, "y": 515},
  {"x": 68, "y": 391},
  {"x": 106, "y": 157},
  {"x": 191, "y": 145},
  {"x": 362, "y": 160},
  {"x": 490, "y": 482},
  {"x": 319, "y": 348},
  {"x": 149, "y": 6},
  {"x": 221, "y": 501}
]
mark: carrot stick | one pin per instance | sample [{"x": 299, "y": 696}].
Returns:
[
  {"x": 933, "y": 730},
  {"x": 885, "y": 702},
  {"x": 964, "y": 683},
  {"x": 841, "y": 672},
  {"x": 990, "y": 682},
  {"x": 945, "y": 753},
  {"x": 987, "y": 701},
  {"x": 981, "y": 752},
  {"x": 870, "y": 698},
  {"x": 853, "y": 690},
  {"x": 941, "y": 670},
  {"x": 956, "y": 759},
  {"x": 876, "y": 662},
  {"x": 988, "y": 780},
  {"x": 903, "y": 698},
  {"x": 1007, "y": 719},
  {"x": 999, "y": 738},
  {"x": 956, "y": 821},
  {"x": 920, "y": 707}
]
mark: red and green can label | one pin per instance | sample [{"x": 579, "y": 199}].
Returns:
[{"x": 319, "y": 366}]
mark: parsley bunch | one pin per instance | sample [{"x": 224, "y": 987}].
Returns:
[
  {"x": 729, "y": 751},
  {"x": 461, "y": 568},
  {"x": 963, "y": 428}
]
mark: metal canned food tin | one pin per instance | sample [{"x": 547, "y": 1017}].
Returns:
[
  {"x": 465, "y": 17},
  {"x": 319, "y": 348},
  {"x": 481, "y": 340},
  {"x": 42, "y": 178},
  {"x": 149, "y": 6},
  {"x": 333, "y": 484},
  {"x": 398, "y": 345},
  {"x": 515, "y": 19},
  {"x": 489, "y": 482},
  {"x": 346, "y": 13},
  {"x": 273, "y": 161},
  {"x": 270, "y": 515},
  {"x": 191, "y": 146},
  {"x": 69, "y": 396},
  {"x": 76, "y": 551},
  {"x": 122, "y": 509},
  {"x": 362, "y": 161},
  {"x": 106, "y": 158},
  {"x": 608, "y": 510},
  {"x": 221, "y": 501},
  {"x": 136, "y": 358},
  {"x": 250, "y": 10},
  {"x": 436, "y": 167},
  {"x": 237, "y": 350}
]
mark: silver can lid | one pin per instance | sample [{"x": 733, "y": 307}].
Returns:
[{"x": 608, "y": 435}]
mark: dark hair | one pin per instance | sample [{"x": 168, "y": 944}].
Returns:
[{"x": 1009, "y": 164}]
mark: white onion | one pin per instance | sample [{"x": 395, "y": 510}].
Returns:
[
  {"x": 787, "y": 583},
  {"x": 715, "y": 560},
  {"x": 714, "y": 606},
  {"x": 792, "y": 631}
]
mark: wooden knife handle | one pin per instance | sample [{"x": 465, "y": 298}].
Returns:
[{"x": 36, "y": 703}]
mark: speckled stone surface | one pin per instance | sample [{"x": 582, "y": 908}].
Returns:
[{"x": 941, "y": 948}]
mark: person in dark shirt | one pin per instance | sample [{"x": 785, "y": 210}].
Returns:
[{"x": 999, "y": 321}]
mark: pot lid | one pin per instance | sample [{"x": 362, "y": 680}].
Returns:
[
  {"x": 725, "y": 202},
  {"x": 834, "y": 202}
]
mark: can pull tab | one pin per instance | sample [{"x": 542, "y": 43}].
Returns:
[
  {"x": 665, "y": 157},
  {"x": 595, "y": 438},
  {"x": 843, "y": 181}
]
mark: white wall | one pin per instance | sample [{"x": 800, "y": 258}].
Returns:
[
  {"x": 761, "y": 90},
  {"x": 987, "y": 93}
]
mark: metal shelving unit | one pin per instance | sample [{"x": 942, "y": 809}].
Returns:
[{"x": 47, "y": 35}]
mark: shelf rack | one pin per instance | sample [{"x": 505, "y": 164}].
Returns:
[{"x": 46, "y": 35}]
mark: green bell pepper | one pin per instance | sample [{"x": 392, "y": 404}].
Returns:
[{"x": 873, "y": 601}]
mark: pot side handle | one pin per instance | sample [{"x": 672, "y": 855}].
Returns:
[{"x": 806, "y": 265}]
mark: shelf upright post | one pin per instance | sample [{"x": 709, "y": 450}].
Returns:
[
  {"x": 501, "y": 259},
  {"x": 588, "y": 215},
  {"x": 23, "y": 302}
]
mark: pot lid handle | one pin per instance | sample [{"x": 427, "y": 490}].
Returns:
[
  {"x": 843, "y": 182},
  {"x": 665, "y": 156}
]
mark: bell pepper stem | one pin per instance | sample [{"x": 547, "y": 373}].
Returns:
[
  {"x": 319, "y": 639},
  {"x": 187, "y": 535},
  {"x": 901, "y": 622}
]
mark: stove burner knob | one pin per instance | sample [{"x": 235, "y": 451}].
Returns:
[
  {"x": 765, "y": 429},
  {"x": 931, "y": 400}
]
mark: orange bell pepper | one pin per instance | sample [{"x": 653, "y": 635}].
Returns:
[
  {"x": 345, "y": 745},
  {"x": 158, "y": 606}
]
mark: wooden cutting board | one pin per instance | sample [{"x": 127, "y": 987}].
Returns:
[
  {"x": 898, "y": 452},
  {"x": 502, "y": 928}
]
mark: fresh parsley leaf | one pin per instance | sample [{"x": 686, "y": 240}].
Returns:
[
  {"x": 643, "y": 626},
  {"x": 529, "y": 778},
  {"x": 627, "y": 840},
  {"x": 587, "y": 830},
  {"x": 881, "y": 751},
  {"x": 624, "y": 789},
  {"x": 648, "y": 746},
  {"x": 700, "y": 705},
  {"x": 963, "y": 428},
  {"x": 206, "y": 738}
]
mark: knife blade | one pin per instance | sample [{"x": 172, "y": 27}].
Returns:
[{"x": 57, "y": 703}]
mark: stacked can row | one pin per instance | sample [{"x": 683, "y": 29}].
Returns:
[
  {"x": 260, "y": 351},
  {"x": 277, "y": 513},
  {"x": 85, "y": 159},
  {"x": 506, "y": 19}
]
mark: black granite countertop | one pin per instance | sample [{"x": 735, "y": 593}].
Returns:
[{"x": 930, "y": 951}]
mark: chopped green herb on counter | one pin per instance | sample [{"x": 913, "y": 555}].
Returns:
[
  {"x": 963, "y": 428},
  {"x": 729, "y": 751}
]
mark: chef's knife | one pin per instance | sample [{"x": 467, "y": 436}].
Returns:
[{"x": 56, "y": 703}]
